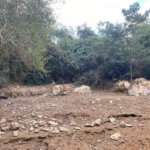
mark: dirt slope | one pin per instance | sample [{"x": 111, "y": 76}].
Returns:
[{"x": 37, "y": 111}]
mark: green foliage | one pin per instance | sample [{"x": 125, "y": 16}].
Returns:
[
  {"x": 24, "y": 30},
  {"x": 33, "y": 51}
]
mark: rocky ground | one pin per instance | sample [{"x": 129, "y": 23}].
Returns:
[{"x": 102, "y": 120}]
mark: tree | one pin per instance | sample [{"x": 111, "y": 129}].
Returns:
[
  {"x": 84, "y": 32},
  {"x": 131, "y": 30},
  {"x": 24, "y": 30}
]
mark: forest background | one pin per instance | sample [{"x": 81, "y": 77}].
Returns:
[{"x": 35, "y": 49}]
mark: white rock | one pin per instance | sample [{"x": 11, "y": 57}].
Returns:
[
  {"x": 31, "y": 129},
  {"x": 40, "y": 116},
  {"x": 5, "y": 128},
  {"x": 58, "y": 89},
  {"x": 55, "y": 131},
  {"x": 97, "y": 122},
  {"x": 123, "y": 124},
  {"x": 52, "y": 123},
  {"x": 42, "y": 123},
  {"x": 23, "y": 127},
  {"x": 77, "y": 128},
  {"x": 93, "y": 109},
  {"x": 89, "y": 125},
  {"x": 112, "y": 120},
  {"x": 35, "y": 125},
  {"x": 2, "y": 133},
  {"x": 83, "y": 89},
  {"x": 53, "y": 119},
  {"x": 73, "y": 123},
  {"x": 115, "y": 136},
  {"x": 36, "y": 131},
  {"x": 110, "y": 102},
  {"x": 15, "y": 125},
  {"x": 63, "y": 129},
  {"x": 46, "y": 129},
  {"x": 3, "y": 120},
  {"x": 15, "y": 133}
]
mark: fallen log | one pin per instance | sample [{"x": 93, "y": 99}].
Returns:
[{"x": 3, "y": 97}]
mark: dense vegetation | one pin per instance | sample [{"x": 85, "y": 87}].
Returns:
[{"x": 35, "y": 49}]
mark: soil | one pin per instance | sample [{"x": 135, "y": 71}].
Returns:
[{"x": 82, "y": 109}]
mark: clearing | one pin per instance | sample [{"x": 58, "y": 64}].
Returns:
[{"x": 31, "y": 116}]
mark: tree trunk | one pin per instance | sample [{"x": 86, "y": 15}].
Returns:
[{"x": 131, "y": 71}]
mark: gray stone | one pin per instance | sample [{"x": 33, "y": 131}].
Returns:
[
  {"x": 42, "y": 123},
  {"x": 63, "y": 129},
  {"x": 15, "y": 133},
  {"x": 53, "y": 119},
  {"x": 40, "y": 116},
  {"x": 52, "y": 123},
  {"x": 31, "y": 129},
  {"x": 55, "y": 131},
  {"x": 73, "y": 123},
  {"x": 53, "y": 105},
  {"x": 93, "y": 109},
  {"x": 123, "y": 124},
  {"x": 36, "y": 131},
  {"x": 22, "y": 127},
  {"x": 15, "y": 125},
  {"x": 112, "y": 120},
  {"x": 97, "y": 122},
  {"x": 3, "y": 120},
  {"x": 5, "y": 128},
  {"x": 115, "y": 136},
  {"x": 2, "y": 133},
  {"x": 89, "y": 125},
  {"x": 77, "y": 128},
  {"x": 46, "y": 129}
]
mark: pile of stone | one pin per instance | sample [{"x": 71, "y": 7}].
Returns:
[
  {"x": 61, "y": 90},
  {"x": 139, "y": 86}
]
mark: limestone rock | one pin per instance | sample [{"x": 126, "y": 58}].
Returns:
[
  {"x": 140, "y": 86},
  {"x": 77, "y": 128},
  {"x": 52, "y": 123},
  {"x": 58, "y": 89},
  {"x": 83, "y": 89},
  {"x": 55, "y": 131},
  {"x": 5, "y": 128},
  {"x": 3, "y": 120},
  {"x": 42, "y": 123},
  {"x": 31, "y": 129},
  {"x": 115, "y": 136},
  {"x": 89, "y": 125},
  {"x": 123, "y": 124},
  {"x": 97, "y": 122},
  {"x": 36, "y": 131},
  {"x": 15, "y": 125},
  {"x": 15, "y": 133},
  {"x": 53, "y": 119},
  {"x": 46, "y": 129},
  {"x": 112, "y": 120},
  {"x": 63, "y": 129},
  {"x": 73, "y": 123},
  {"x": 40, "y": 116},
  {"x": 123, "y": 86},
  {"x": 2, "y": 133}
]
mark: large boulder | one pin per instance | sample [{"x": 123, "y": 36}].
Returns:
[
  {"x": 58, "y": 90},
  {"x": 140, "y": 86},
  {"x": 83, "y": 89},
  {"x": 123, "y": 86}
]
